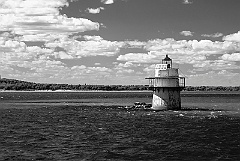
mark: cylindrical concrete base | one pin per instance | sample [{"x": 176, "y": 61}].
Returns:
[{"x": 166, "y": 99}]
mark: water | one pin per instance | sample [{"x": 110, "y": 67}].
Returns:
[{"x": 93, "y": 126}]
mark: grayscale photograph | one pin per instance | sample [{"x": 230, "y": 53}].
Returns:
[{"x": 119, "y": 80}]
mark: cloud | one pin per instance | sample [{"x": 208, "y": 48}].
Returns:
[
  {"x": 213, "y": 78},
  {"x": 125, "y": 71},
  {"x": 232, "y": 37},
  {"x": 231, "y": 57},
  {"x": 192, "y": 52},
  {"x": 216, "y": 65},
  {"x": 33, "y": 21},
  {"x": 46, "y": 70},
  {"x": 187, "y": 2},
  {"x": 186, "y": 33},
  {"x": 33, "y": 18},
  {"x": 90, "y": 71},
  {"x": 135, "y": 44},
  {"x": 125, "y": 65},
  {"x": 45, "y": 61},
  {"x": 62, "y": 55},
  {"x": 159, "y": 44},
  {"x": 92, "y": 38},
  {"x": 94, "y": 10},
  {"x": 200, "y": 54},
  {"x": 137, "y": 57},
  {"x": 213, "y": 35},
  {"x": 91, "y": 46},
  {"x": 184, "y": 47},
  {"x": 107, "y": 1}
]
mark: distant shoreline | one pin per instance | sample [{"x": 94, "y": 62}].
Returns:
[
  {"x": 74, "y": 91},
  {"x": 123, "y": 91},
  {"x": 12, "y": 85}
]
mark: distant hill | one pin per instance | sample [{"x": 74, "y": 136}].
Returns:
[
  {"x": 212, "y": 88},
  {"x": 18, "y": 85}
]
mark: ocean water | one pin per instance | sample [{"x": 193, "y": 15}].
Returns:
[{"x": 88, "y": 126}]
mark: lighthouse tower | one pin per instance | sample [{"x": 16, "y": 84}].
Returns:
[{"x": 166, "y": 86}]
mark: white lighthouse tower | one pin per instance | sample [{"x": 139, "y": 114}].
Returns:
[{"x": 166, "y": 86}]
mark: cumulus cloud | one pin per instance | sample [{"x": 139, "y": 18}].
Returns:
[
  {"x": 100, "y": 69},
  {"x": 213, "y": 35},
  {"x": 45, "y": 62},
  {"x": 232, "y": 37},
  {"x": 24, "y": 21},
  {"x": 62, "y": 55},
  {"x": 186, "y": 33},
  {"x": 127, "y": 68},
  {"x": 191, "y": 46},
  {"x": 107, "y": 1},
  {"x": 94, "y": 10},
  {"x": 44, "y": 37},
  {"x": 125, "y": 65},
  {"x": 137, "y": 57},
  {"x": 51, "y": 70},
  {"x": 213, "y": 78},
  {"x": 231, "y": 57},
  {"x": 92, "y": 38},
  {"x": 84, "y": 70},
  {"x": 92, "y": 46},
  {"x": 135, "y": 44},
  {"x": 125, "y": 71},
  {"x": 32, "y": 18},
  {"x": 97, "y": 63},
  {"x": 200, "y": 53},
  {"x": 187, "y": 2}
]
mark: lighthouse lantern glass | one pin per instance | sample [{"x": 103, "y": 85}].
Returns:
[{"x": 167, "y": 61}]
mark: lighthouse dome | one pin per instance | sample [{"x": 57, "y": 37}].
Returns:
[{"x": 167, "y": 61}]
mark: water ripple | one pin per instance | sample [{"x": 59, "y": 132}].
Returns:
[{"x": 103, "y": 133}]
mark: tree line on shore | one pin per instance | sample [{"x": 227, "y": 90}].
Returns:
[{"x": 18, "y": 85}]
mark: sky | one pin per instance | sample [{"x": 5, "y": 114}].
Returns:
[{"x": 118, "y": 42}]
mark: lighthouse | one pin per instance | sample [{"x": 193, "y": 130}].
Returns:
[{"x": 166, "y": 86}]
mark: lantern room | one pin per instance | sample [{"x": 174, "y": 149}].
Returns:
[{"x": 167, "y": 61}]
